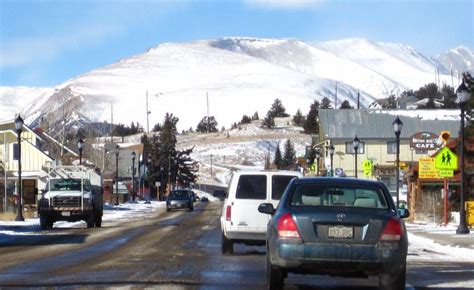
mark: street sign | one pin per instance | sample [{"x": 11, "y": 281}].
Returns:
[
  {"x": 427, "y": 168},
  {"x": 446, "y": 159},
  {"x": 368, "y": 166},
  {"x": 446, "y": 173}
]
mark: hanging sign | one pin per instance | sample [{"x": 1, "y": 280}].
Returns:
[{"x": 422, "y": 142}]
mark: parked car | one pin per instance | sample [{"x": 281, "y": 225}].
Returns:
[
  {"x": 220, "y": 194},
  {"x": 180, "y": 199},
  {"x": 336, "y": 226},
  {"x": 240, "y": 220}
]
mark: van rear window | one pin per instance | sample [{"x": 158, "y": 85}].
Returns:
[
  {"x": 279, "y": 184},
  {"x": 252, "y": 187}
]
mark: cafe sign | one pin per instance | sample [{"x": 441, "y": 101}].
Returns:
[{"x": 423, "y": 142}]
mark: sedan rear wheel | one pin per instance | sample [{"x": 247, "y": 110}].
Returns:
[
  {"x": 275, "y": 277},
  {"x": 393, "y": 281}
]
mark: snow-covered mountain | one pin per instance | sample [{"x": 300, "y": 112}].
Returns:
[
  {"x": 457, "y": 60},
  {"x": 240, "y": 76}
]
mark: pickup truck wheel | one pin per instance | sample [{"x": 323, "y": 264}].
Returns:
[
  {"x": 98, "y": 219},
  {"x": 45, "y": 222},
  {"x": 227, "y": 245},
  {"x": 275, "y": 277},
  {"x": 90, "y": 220}
]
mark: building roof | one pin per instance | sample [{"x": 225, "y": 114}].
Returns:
[{"x": 375, "y": 124}]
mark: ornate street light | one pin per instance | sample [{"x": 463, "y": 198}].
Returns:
[
  {"x": 116, "y": 175},
  {"x": 355, "y": 144},
  {"x": 318, "y": 156},
  {"x": 397, "y": 127},
  {"x": 134, "y": 155},
  {"x": 19, "y": 126},
  {"x": 80, "y": 146},
  {"x": 463, "y": 96},
  {"x": 331, "y": 150}
]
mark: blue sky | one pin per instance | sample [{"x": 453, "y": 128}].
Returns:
[{"x": 46, "y": 42}]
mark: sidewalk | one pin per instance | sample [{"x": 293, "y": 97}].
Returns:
[{"x": 443, "y": 235}]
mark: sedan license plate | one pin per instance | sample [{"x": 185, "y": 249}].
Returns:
[
  {"x": 66, "y": 213},
  {"x": 341, "y": 232}
]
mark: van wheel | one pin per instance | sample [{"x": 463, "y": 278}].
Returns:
[
  {"x": 98, "y": 219},
  {"x": 275, "y": 277},
  {"x": 227, "y": 245},
  {"x": 90, "y": 220}
]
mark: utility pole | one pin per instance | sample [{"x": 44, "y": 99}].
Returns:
[
  {"x": 207, "y": 99},
  {"x": 358, "y": 100},
  {"x": 147, "y": 115},
  {"x": 335, "y": 98},
  {"x": 112, "y": 123},
  {"x": 211, "y": 166}
]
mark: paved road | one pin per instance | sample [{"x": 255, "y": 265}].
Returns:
[{"x": 177, "y": 250}]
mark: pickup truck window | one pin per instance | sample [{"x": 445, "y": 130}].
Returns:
[{"x": 68, "y": 185}]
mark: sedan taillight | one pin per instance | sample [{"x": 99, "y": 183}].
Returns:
[
  {"x": 287, "y": 227},
  {"x": 228, "y": 213},
  {"x": 392, "y": 231}
]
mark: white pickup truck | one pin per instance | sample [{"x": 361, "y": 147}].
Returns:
[{"x": 72, "y": 193}]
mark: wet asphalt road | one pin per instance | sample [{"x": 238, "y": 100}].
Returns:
[{"x": 175, "y": 250}]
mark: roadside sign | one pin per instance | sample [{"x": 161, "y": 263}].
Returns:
[
  {"x": 446, "y": 173},
  {"x": 446, "y": 159},
  {"x": 470, "y": 212},
  {"x": 427, "y": 168},
  {"x": 368, "y": 166}
]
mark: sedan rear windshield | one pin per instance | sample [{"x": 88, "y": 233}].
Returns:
[{"x": 333, "y": 195}]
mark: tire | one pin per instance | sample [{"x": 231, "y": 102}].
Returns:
[
  {"x": 168, "y": 209},
  {"x": 393, "y": 281},
  {"x": 227, "y": 245},
  {"x": 191, "y": 208},
  {"x": 90, "y": 220},
  {"x": 45, "y": 222},
  {"x": 275, "y": 277},
  {"x": 98, "y": 219}
]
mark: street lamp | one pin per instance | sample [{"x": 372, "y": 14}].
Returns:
[
  {"x": 80, "y": 146},
  {"x": 116, "y": 175},
  {"x": 463, "y": 96},
  {"x": 331, "y": 156},
  {"x": 133, "y": 174},
  {"x": 397, "y": 127},
  {"x": 19, "y": 127},
  {"x": 355, "y": 144},
  {"x": 318, "y": 156}
]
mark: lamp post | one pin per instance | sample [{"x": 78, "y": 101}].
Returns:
[
  {"x": 133, "y": 174},
  {"x": 116, "y": 175},
  {"x": 397, "y": 127},
  {"x": 331, "y": 156},
  {"x": 80, "y": 146},
  {"x": 19, "y": 127},
  {"x": 318, "y": 156},
  {"x": 463, "y": 96},
  {"x": 355, "y": 144}
]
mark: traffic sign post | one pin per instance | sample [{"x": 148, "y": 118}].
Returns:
[
  {"x": 368, "y": 167},
  {"x": 446, "y": 162}
]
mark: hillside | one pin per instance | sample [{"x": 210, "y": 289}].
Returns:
[{"x": 239, "y": 75}]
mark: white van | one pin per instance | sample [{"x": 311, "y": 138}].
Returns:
[{"x": 240, "y": 220}]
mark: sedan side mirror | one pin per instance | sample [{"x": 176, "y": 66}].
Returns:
[
  {"x": 266, "y": 208},
  {"x": 403, "y": 212}
]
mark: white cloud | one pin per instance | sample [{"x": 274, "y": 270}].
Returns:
[{"x": 283, "y": 4}]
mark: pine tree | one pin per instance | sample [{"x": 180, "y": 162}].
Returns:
[
  {"x": 345, "y": 105},
  {"x": 245, "y": 120},
  {"x": 255, "y": 116},
  {"x": 277, "y": 110},
  {"x": 391, "y": 103},
  {"x": 311, "y": 124},
  {"x": 207, "y": 125},
  {"x": 298, "y": 119},
  {"x": 269, "y": 121},
  {"x": 277, "y": 161},
  {"x": 289, "y": 154},
  {"x": 326, "y": 103}
]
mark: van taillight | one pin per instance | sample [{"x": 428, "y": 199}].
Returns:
[
  {"x": 228, "y": 213},
  {"x": 287, "y": 227},
  {"x": 392, "y": 231}
]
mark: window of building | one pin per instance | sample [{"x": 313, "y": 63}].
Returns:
[
  {"x": 350, "y": 148},
  {"x": 392, "y": 147}
]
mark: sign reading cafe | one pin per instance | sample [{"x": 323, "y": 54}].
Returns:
[{"x": 423, "y": 142}]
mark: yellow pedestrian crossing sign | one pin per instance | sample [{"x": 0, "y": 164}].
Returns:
[
  {"x": 368, "y": 167},
  {"x": 446, "y": 159}
]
